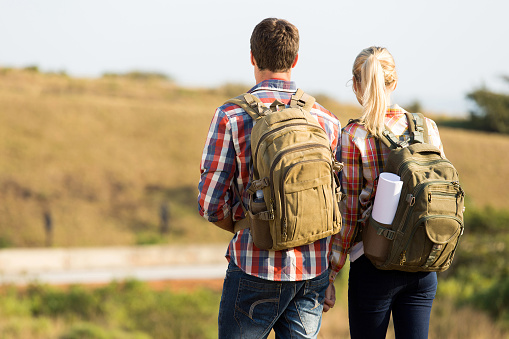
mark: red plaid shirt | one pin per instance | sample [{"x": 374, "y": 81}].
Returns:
[
  {"x": 364, "y": 157},
  {"x": 225, "y": 162}
]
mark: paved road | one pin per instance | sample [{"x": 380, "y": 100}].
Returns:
[
  {"x": 102, "y": 265},
  {"x": 154, "y": 273}
]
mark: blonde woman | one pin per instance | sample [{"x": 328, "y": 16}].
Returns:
[{"x": 373, "y": 294}]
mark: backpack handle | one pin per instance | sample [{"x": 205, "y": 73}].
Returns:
[
  {"x": 251, "y": 104},
  {"x": 426, "y": 148},
  {"x": 303, "y": 100}
]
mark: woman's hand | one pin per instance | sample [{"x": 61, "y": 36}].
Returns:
[{"x": 330, "y": 297}]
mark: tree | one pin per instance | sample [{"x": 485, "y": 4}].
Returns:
[{"x": 492, "y": 111}]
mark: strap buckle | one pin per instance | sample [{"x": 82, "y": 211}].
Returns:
[{"x": 387, "y": 233}]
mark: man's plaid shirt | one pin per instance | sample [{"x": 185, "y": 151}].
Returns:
[
  {"x": 364, "y": 157},
  {"x": 225, "y": 162}
]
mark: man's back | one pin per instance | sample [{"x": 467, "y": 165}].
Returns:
[
  {"x": 263, "y": 290},
  {"x": 219, "y": 168}
]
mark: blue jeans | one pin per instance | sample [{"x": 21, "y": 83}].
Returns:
[
  {"x": 374, "y": 293},
  {"x": 250, "y": 306}
]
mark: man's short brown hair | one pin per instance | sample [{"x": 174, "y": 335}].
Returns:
[{"x": 275, "y": 44}]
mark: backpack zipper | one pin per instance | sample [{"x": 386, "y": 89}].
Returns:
[
  {"x": 441, "y": 193},
  {"x": 267, "y": 134}
]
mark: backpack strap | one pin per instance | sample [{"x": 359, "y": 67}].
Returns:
[
  {"x": 302, "y": 100},
  {"x": 417, "y": 128},
  {"x": 251, "y": 104},
  {"x": 381, "y": 229},
  {"x": 389, "y": 139},
  {"x": 244, "y": 222}
]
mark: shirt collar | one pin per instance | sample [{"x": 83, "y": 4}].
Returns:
[
  {"x": 275, "y": 85},
  {"x": 395, "y": 109}
]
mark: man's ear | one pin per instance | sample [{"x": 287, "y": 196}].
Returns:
[
  {"x": 295, "y": 61},
  {"x": 253, "y": 61}
]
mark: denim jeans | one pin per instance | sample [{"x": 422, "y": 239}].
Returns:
[
  {"x": 374, "y": 293},
  {"x": 250, "y": 306}
]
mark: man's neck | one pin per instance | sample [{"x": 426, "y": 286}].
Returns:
[{"x": 267, "y": 75}]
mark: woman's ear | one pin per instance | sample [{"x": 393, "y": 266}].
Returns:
[
  {"x": 356, "y": 90},
  {"x": 355, "y": 85},
  {"x": 393, "y": 86}
]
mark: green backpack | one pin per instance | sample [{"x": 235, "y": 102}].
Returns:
[
  {"x": 294, "y": 166},
  {"x": 426, "y": 229}
]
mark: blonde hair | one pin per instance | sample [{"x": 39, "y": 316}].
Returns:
[{"x": 373, "y": 70}]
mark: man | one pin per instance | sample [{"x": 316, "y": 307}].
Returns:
[{"x": 263, "y": 289}]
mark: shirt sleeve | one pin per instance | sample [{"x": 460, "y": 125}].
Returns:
[
  {"x": 351, "y": 181},
  {"x": 217, "y": 169}
]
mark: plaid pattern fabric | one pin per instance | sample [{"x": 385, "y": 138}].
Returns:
[
  {"x": 364, "y": 157},
  {"x": 225, "y": 162}
]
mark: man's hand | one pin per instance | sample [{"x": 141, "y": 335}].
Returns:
[{"x": 330, "y": 297}]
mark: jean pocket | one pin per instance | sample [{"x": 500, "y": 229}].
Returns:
[
  {"x": 257, "y": 302},
  {"x": 318, "y": 284}
]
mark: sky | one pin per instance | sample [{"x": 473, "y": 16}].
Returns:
[{"x": 443, "y": 49}]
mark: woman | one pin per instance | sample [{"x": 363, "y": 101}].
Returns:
[{"x": 373, "y": 294}]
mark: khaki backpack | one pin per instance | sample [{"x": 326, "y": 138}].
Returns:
[
  {"x": 426, "y": 229},
  {"x": 293, "y": 164}
]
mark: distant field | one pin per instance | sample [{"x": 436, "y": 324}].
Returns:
[{"x": 102, "y": 156}]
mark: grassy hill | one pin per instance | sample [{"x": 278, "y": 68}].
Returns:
[{"x": 101, "y": 157}]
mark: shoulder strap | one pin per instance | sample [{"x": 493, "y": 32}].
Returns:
[
  {"x": 251, "y": 104},
  {"x": 389, "y": 139},
  {"x": 351, "y": 121},
  {"x": 417, "y": 129},
  {"x": 256, "y": 109},
  {"x": 303, "y": 100},
  {"x": 244, "y": 222}
]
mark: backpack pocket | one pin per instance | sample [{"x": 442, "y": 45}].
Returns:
[
  {"x": 307, "y": 199},
  {"x": 260, "y": 227},
  {"x": 432, "y": 243},
  {"x": 444, "y": 200},
  {"x": 443, "y": 234}
]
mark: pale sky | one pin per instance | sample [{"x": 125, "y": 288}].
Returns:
[{"x": 443, "y": 48}]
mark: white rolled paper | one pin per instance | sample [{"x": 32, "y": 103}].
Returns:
[{"x": 387, "y": 198}]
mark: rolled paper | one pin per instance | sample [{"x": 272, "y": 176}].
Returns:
[{"x": 387, "y": 198}]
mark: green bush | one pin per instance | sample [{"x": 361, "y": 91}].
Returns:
[
  {"x": 487, "y": 219},
  {"x": 129, "y": 309},
  {"x": 479, "y": 275},
  {"x": 495, "y": 300},
  {"x": 492, "y": 111},
  {"x": 75, "y": 303}
]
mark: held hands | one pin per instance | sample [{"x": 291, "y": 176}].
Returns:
[{"x": 330, "y": 297}]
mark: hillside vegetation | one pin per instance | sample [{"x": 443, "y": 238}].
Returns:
[
  {"x": 102, "y": 157},
  {"x": 94, "y": 162}
]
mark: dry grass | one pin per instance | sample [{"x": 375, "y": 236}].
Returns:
[
  {"x": 481, "y": 160},
  {"x": 103, "y": 155}
]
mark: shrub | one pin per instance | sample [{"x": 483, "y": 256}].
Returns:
[{"x": 492, "y": 113}]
